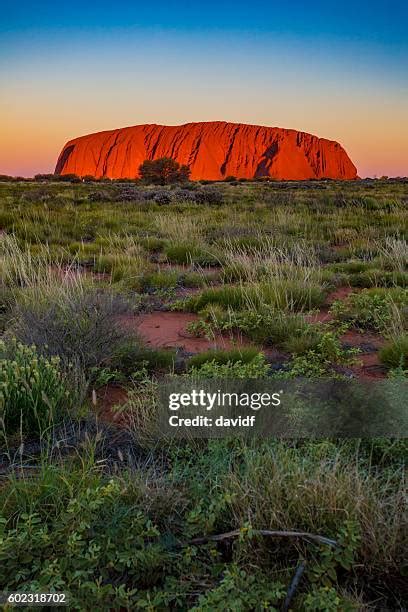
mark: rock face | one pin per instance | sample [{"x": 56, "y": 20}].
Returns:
[{"x": 212, "y": 150}]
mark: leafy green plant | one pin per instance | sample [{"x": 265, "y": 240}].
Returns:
[
  {"x": 326, "y": 599},
  {"x": 257, "y": 367},
  {"x": 342, "y": 556},
  {"x": 76, "y": 550},
  {"x": 103, "y": 376},
  {"x": 273, "y": 327},
  {"x": 240, "y": 590},
  {"x": 320, "y": 360}
]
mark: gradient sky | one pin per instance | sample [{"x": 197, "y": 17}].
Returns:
[{"x": 336, "y": 69}]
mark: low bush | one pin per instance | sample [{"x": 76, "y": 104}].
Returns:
[
  {"x": 378, "y": 278},
  {"x": 209, "y": 195},
  {"x": 198, "y": 279},
  {"x": 352, "y": 267},
  {"x": 126, "y": 268},
  {"x": 152, "y": 244},
  {"x": 225, "y": 296},
  {"x": 102, "y": 195},
  {"x": 183, "y": 195},
  {"x": 300, "y": 338},
  {"x": 181, "y": 253},
  {"x": 80, "y": 327}
]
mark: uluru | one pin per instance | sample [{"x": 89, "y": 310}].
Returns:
[{"x": 213, "y": 150}]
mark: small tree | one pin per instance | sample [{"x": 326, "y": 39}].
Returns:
[{"x": 163, "y": 171}]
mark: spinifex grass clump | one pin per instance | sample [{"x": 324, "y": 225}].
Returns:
[
  {"x": 243, "y": 354},
  {"x": 395, "y": 353},
  {"x": 279, "y": 294},
  {"x": 34, "y": 393}
]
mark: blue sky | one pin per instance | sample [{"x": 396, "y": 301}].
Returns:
[{"x": 339, "y": 70}]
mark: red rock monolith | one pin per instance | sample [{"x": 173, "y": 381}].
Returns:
[{"x": 212, "y": 150}]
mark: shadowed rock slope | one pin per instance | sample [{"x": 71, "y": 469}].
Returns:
[{"x": 212, "y": 150}]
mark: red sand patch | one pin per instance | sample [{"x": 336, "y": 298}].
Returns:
[
  {"x": 368, "y": 365},
  {"x": 168, "y": 329},
  {"x": 341, "y": 293},
  {"x": 356, "y": 338},
  {"x": 324, "y": 316},
  {"x": 107, "y": 397}
]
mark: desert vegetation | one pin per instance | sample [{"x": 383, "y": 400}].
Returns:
[{"x": 106, "y": 287}]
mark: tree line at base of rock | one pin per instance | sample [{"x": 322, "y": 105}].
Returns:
[{"x": 162, "y": 171}]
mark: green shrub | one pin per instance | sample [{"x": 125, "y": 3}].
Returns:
[
  {"x": 395, "y": 353},
  {"x": 34, "y": 393},
  {"x": 320, "y": 360},
  {"x": 286, "y": 294},
  {"x": 326, "y": 599},
  {"x": 352, "y": 267},
  {"x": 153, "y": 244},
  {"x": 370, "y": 309},
  {"x": 97, "y": 547},
  {"x": 255, "y": 368},
  {"x": 241, "y": 590},
  {"x": 225, "y": 296},
  {"x": 302, "y": 339},
  {"x": 180, "y": 253}
]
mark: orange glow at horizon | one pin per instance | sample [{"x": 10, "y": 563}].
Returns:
[{"x": 49, "y": 98}]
